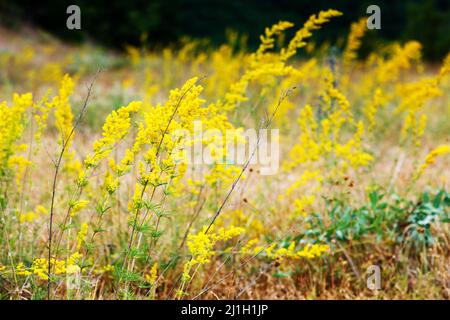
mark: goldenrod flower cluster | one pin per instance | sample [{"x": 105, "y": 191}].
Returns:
[
  {"x": 309, "y": 251},
  {"x": 357, "y": 31},
  {"x": 127, "y": 199},
  {"x": 39, "y": 268},
  {"x": 201, "y": 245},
  {"x": 314, "y": 22},
  {"x": 431, "y": 157}
]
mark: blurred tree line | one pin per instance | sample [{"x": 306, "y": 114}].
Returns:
[{"x": 116, "y": 23}]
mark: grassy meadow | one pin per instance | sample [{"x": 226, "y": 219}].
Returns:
[{"x": 99, "y": 200}]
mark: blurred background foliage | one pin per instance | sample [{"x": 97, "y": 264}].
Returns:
[{"x": 157, "y": 23}]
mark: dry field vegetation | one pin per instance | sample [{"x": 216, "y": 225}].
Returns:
[{"x": 98, "y": 202}]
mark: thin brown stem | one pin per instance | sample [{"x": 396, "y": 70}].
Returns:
[
  {"x": 283, "y": 96},
  {"x": 64, "y": 146}
]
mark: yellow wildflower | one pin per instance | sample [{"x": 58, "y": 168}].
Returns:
[
  {"x": 430, "y": 159},
  {"x": 81, "y": 235},
  {"x": 151, "y": 277},
  {"x": 357, "y": 30},
  {"x": 314, "y": 22}
]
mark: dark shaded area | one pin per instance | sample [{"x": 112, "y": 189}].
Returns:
[{"x": 116, "y": 23}]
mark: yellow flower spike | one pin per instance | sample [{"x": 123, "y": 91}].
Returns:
[
  {"x": 268, "y": 39},
  {"x": 111, "y": 183},
  {"x": 201, "y": 245},
  {"x": 63, "y": 109},
  {"x": 401, "y": 58},
  {"x": 357, "y": 31},
  {"x": 314, "y": 22},
  {"x": 151, "y": 276},
  {"x": 371, "y": 109},
  {"x": 248, "y": 248},
  {"x": 116, "y": 126},
  {"x": 81, "y": 235}
]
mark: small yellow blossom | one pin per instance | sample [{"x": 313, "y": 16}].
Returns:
[{"x": 430, "y": 159}]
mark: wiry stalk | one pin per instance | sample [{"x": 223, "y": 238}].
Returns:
[
  {"x": 283, "y": 96},
  {"x": 265, "y": 125},
  {"x": 64, "y": 144}
]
